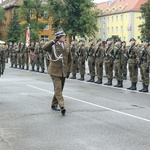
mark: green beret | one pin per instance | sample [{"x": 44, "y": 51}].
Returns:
[
  {"x": 118, "y": 40},
  {"x": 132, "y": 39},
  {"x": 90, "y": 40},
  {"x": 99, "y": 40},
  {"x": 82, "y": 40},
  {"x": 145, "y": 40},
  {"x": 109, "y": 39}
]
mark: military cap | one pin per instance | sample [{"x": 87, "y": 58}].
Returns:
[
  {"x": 109, "y": 39},
  {"x": 118, "y": 40},
  {"x": 90, "y": 40},
  {"x": 99, "y": 39},
  {"x": 60, "y": 32},
  {"x": 82, "y": 40},
  {"x": 132, "y": 39},
  {"x": 145, "y": 40}
]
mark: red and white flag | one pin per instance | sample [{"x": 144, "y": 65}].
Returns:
[{"x": 28, "y": 36}]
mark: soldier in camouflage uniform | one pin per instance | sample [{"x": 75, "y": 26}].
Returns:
[
  {"x": 22, "y": 47},
  {"x": 144, "y": 63},
  {"x": 132, "y": 55},
  {"x": 41, "y": 56},
  {"x": 19, "y": 55},
  {"x": 37, "y": 58},
  {"x": 125, "y": 60},
  {"x": 15, "y": 49},
  {"x": 32, "y": 55},
  {"x": 2, "y": 60},
  {"x": 74, "y": 59},
  {"x": 91, "y": 63},
  {"x": 98, "y": 60},
  {"x": 6, "y": 49},
  {"x": 118, "y": 61},
  {"x": 81, "y": 58},
  {"x": 108, "y": 61},
  {"x": 10, "y": 47}
]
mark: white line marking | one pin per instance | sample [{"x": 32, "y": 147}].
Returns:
[{"x": 82, "y": 101}]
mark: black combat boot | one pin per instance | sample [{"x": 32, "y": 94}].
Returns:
[
  {"x": 92, "y": 79},
  {"x": 19, "y": 66},
  {"x": 15, "y": 66},
  {"x": 118, "y": 82},
  {"x": 37, "y": 70},
  {"x": 99, "y": 81},
  {"x": 124, "y": 76},
  {"x": 32, "y": 68},
  {"x": 107, "y": 82},
  {"x": 120, "y": 85},
  {"x": 42, "y": 71},
  {"x": 27, "y": 68},
  {"x": 82, "y": 78},
  {"x": 11, "y": 65},
  {"x": 89, "y": 80},
  {"x": 63, "y": 110},
  {"x": 110, "y": 82},
  {"x": 73, "y": 76},
  {"x": 134, "y": 86},
  {"x": 142, "y": 88},
  {"x": 130, "y": 86},
  {"x": 22, "y": 67},
  {"x": 145, "y": 88}
]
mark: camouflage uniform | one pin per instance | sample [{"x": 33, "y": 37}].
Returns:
[
  {"x": 132, "y": 55},
  {"x": 144, "y": 63},
  {"x": 74, "y": 59},
  {"x": 15, "y": 49},
  {"x": 81, "y": 58},
  {"x": 37, "y": 58},
  {"x": 32, "y": 55},
  {"x": 98, "y": 57},
  {"x": 2, "y": 60},
  {"x": 108, "y": 61},
  {"x": 91, "y": 63}
]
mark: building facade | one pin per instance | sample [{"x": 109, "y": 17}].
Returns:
[{"x": 120, "y": 18}]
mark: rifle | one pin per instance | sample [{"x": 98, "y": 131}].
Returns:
[
  {"x": 141, "y": 58},
  {"x": 130, "y": 49}
]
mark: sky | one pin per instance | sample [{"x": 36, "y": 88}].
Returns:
[{"x": 99, "y": 1}]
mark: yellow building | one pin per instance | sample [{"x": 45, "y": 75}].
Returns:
[
  {"x": 9, "y": 6},
  {"x": 120, "y": 18}
]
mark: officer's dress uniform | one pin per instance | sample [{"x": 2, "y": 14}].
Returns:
[{"x": 58, "y": 68}]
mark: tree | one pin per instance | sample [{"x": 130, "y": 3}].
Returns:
[
  {"x": 13, "y": 33},
  {"x": 76, "y": 17},
  {"x": 30, "y": 12},
  {"x": 145, "y": 27},
  {"x": 2, "y": 16}
]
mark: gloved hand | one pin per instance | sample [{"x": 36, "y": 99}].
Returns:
[
  {"x": 93, "y": 63},
  {"x": 83, "y": 62},
  {"x": 56, "y": 38},
  {"x": 68, "y": 74},
  {"x": 147, "y": 69},
  {"x": 121, "y": 66}
]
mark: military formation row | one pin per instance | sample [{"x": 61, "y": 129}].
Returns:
[{"x": 111, "y": 56}]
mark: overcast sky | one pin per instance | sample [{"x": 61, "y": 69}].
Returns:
[{"x": 99, "y": 1}]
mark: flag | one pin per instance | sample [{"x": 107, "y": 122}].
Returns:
[{"x": 28, "y": 36}]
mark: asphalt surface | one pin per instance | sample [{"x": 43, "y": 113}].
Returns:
[{"x": 98, "y": 117}]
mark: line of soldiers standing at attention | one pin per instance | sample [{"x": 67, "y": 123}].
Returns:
[
  {"x": 114, "y": 56},
  {"x": 21, "y": 55},
  {"x": 2, "y": 60}
]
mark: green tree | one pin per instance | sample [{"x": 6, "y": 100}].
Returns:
[
  {"x": 76, "y": 17},
  {"x": 30, "y": 12},
  {"x": 13, "y": 33},
  {"x": 145, "y": 27},
  {"x": 2, "y": 17}
]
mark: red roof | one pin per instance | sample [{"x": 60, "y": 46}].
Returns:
[{"x": 116, "y": 6}]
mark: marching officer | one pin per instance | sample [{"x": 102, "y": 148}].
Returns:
[
  {"x": 144, "y": 63},
  {"x": 2, "y": 60},
  {"x": 59, "y": 68},
  {"x": 132, "y": 55}
]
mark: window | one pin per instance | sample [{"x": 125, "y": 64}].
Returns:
[
  {"x": 112, "y": 29},
  {"x": 121, "y": 29},
  {"x": 107, "y": 30},
  {"x": 44, "y": 37},
  {"x": 121, "y": 18},
  {"x": 116, "y": 18},
  {"x": 103, "y": 25},
  {"x": 46, "y": 27},
  {"x": 108, "y": 19},
  {"x": 116, "y": 29},
  {"x": 112, "y": 19}
]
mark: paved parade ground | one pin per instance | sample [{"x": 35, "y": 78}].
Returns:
[{"x": 98, "y": 117}]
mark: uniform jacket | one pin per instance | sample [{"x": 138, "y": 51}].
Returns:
[{"x": 60, "y": 67}]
